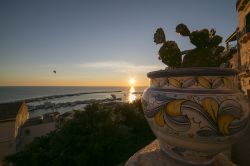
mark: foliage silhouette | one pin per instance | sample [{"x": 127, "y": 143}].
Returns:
[
  {"x": 207, "y": 51},
  {"x": 103, "y": 134}
]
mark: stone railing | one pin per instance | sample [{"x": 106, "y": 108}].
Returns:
[{"x": 151, "y": 155}]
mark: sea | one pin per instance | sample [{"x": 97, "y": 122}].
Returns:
[{"x": 42, "y": 100}]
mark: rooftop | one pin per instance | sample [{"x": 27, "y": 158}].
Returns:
[
  {"x": 38, "y": 120},
  {"x": 9, "y": 110}
]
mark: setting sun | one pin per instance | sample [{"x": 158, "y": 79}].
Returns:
[{"x": 132, "y": 81}]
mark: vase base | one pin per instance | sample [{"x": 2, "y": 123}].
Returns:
[{"x": 186, "y": 156}]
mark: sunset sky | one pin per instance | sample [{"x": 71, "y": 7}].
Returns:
[{"x": 96, "y": 43}]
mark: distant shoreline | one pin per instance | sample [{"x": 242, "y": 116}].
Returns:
[
  {"x": 29, "y": 100},
  {"x": 10, "y": 86},
  {"x": 67, "y": 95},
  {"x": 71, "y": 104}
]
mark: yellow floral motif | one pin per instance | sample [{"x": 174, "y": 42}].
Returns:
[
  {"x": 227, "y": 83},
  {"x": 211, "y": 106},
  {"x": 174, "y": 82},
  {"x": 154, "y": 83},
  {"x": 159, "y": 118},
  {"x": 174, "y": 108},
  {"x": 204, "y": 82},
  {"x": 224, "y": 122}
]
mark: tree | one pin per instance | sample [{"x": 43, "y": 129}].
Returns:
[{"x": 103, "y": 134}]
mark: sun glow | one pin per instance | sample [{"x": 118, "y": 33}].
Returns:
[
  {"x": 132, "y": 96},
  {"x": 132, "y": 81}
]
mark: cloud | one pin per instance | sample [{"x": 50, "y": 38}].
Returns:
[{"x": 121, "y": 66}]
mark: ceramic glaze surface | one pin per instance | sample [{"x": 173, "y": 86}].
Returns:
[{"x": 194, "y": 116}]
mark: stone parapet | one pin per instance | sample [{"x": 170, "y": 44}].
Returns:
[{"x": 151, "y": 155}]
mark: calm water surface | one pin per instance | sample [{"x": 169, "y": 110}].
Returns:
[{"x": 10, "y": 94}]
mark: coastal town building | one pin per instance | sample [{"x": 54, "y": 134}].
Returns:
[
  {"x": 241, "y": 39},
  {"x": 37, "y": 127},
  {"x": 12, "y": 117},
  {"x": 67, "y": 115},
  {"x": 40, "y": 126},
  {"x": 231, "y": 42}
]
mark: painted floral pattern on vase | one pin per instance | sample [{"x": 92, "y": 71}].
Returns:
[
  {"x": 195, "y": 113},
  {"x": 212, "y": 117},
  {"x": 207, "y": 82}
]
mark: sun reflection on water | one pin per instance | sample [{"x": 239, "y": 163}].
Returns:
[{"x": 132, "y": 96}]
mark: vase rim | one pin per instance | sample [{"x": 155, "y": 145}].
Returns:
[{"x": 194, "y": 71}]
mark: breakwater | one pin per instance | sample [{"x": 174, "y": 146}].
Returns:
[
  {"x": 53, "y": 106},
  {"x": 30, "y": 100}
]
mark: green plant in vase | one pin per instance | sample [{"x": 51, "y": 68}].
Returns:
[{"x": 207, "y": 52}]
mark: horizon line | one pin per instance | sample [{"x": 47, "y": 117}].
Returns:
[{"x": 70, "y": 86}]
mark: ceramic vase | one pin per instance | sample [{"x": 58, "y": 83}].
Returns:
[{"x": 195, "y": 113}]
